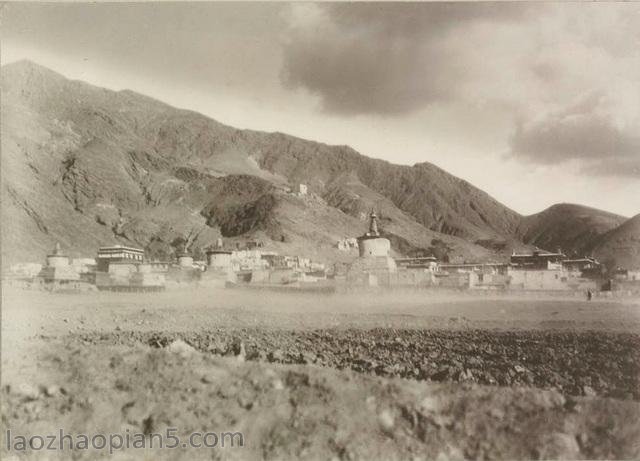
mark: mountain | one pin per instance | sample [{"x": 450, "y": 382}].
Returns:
[
  {"x": 571, "y": 228},
  {"x": 620, "y": 247},
  {"x": 88, "y": 166}
]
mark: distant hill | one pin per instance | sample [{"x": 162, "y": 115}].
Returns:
[
  {"x": 572, "y": 228},
  {"x": 620, "y": 247},
  {"x": 88, "y": 166}
]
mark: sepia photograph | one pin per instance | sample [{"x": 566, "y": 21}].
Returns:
[{"x": 320, "y": 230}]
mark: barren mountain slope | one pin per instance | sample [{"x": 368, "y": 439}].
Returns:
[
  {"x": 88, "y": 166},
  {"x": 434, "y": 198},
  {"x": 620, "y": 247},
  {"x": 572, "y": 228}
]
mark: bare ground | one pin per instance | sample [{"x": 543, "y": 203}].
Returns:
[{"x": 346, "y": 377}]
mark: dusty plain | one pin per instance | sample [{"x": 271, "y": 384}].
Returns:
[{"x": 396, "y": 375}]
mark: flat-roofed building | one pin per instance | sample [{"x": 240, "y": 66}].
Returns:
[
  {"x": 538, "y": 279},
  {"x": 586, "y": 267},
  {"x": 538, "y": 260},
  {"x": 482, "y": 268},
  {"x": 621, "y": 273},
  {"x": 118, "y": 254},
  {"x": 300, "y": 189},
  {"x": 83, "y": 265},
  {"x": 24, "y": 270},
  {"x": 425, "y": 262}
]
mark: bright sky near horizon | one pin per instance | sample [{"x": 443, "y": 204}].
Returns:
[{"x": 535, "y": 103}]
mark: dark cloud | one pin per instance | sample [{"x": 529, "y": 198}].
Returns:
[
  {"x": 353, "y": 78},
  {"x": 585, "y": 132},
  {"x": 628, "y": 167},
  {"x": 418, "y": 18},
  {"x": 383, "y": 58}
]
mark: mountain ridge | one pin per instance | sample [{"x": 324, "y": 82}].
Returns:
[
  {"x": 620, "y": 247},
  {"x": 134, "y": 169},
  {"x": 569, "y": 227}
]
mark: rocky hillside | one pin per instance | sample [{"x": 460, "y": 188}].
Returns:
[
  {"x": 572, "y": 228},
  {"x": 88, "y": 166},
  {"x": 620, "y": 246}
]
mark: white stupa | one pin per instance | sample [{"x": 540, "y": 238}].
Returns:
[{"x": 374, "y": 266}]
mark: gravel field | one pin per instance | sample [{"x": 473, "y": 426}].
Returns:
[
  {"x": 326, "y": 377},
  {"x": 585, "y": 363}
]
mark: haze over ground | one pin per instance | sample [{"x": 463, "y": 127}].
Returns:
[{"x": 535, "y": 104}]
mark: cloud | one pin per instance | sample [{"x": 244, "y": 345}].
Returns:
[
  {"x": 381, "y": 58},
  {"x": 585, "y": 131},
  {"x": 564, "y": 75},
  {"x": 626, "y": 167}
]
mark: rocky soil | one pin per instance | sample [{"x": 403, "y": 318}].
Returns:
[
  {"x": 304, "y": 411},
  {"x": 585, "y": 363},
  {"x": 324, "y": 377}
]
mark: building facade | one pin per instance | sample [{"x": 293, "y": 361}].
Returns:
[
  {"x": 117, "y": 254},
  {"x": 538, "y": 260}
]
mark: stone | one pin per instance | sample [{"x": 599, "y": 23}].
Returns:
[
  {"x": 583, "y": 439},
  {"x": 556, "y": 399},
  {"x": 181, "y": 348},
  {"x": 52, "y": 390},
  {"x": 207, "y": 378},
  {"x": 309, "y": 357},
  {"x": 242, "y": 353},
  {"x": 429, "y": 404},
  {"x": 245, "y": 401},
  {"x": 28, "y": 392},
  {"x": 276, "y": 356},
  {"x": 370, "y": 401},
  {"x": 440, "y": 375},
  {"x": 466, "y": 375},
  {"x": 559, "y": 445},
  {"x": 386, "y": 421},
  {"x": 450, "y": 454}
]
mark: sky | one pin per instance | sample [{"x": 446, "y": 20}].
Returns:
[{"x": 535, "y": 103}]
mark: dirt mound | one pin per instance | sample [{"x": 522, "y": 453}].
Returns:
[{"x": 292, "y": 412}]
